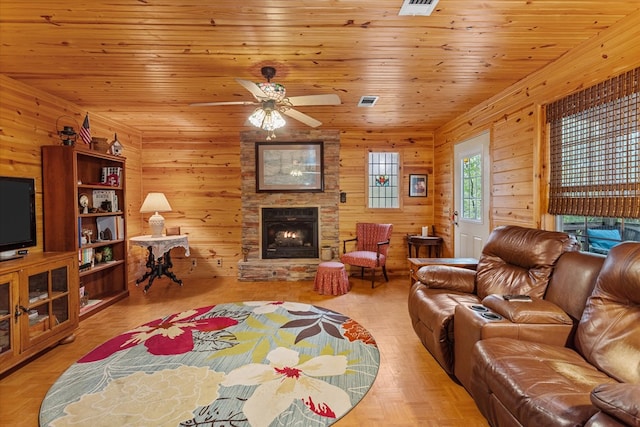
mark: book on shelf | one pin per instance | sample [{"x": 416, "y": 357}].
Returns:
[
  {"x": 85, "y": 257},
  {"x": 105, "y": 199},
  {"x": 79, "y": 232},
  {"x": 120, "y": 228}
]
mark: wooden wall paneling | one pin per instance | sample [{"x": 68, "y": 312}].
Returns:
[
  {"x": 28, "y": 121},
  {"x": 512, "y": 154},
  {"x": 416, "y": 150},
  {"x": 192, "y": 138},
  {"x": 199, "y": 172},
  {"x": 146, "y": 72},
  {"x": 612, "y": 52},
  {"x": 443, "y": 196}
]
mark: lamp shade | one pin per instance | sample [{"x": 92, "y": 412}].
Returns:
[{"x": 155, "y": 202}]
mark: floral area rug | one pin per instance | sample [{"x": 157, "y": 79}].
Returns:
[{"x": 244, "y": 364}]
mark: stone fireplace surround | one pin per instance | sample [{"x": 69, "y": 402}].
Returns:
[{"x": 256, "y": 268}]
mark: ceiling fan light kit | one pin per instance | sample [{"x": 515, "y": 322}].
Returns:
[
  {"x": 272, "y": 103},
  {"x": 268, "y": 118}
]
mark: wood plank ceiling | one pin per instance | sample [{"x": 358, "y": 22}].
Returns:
[{"x": 143, "y": 62}]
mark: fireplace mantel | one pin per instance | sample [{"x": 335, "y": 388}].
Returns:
[{"x": 255, "y": 268}]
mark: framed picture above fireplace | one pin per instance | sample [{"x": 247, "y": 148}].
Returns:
[{"x": 289, "y": 166}]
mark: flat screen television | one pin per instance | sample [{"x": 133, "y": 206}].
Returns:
[{"x": 17, "y": 215}]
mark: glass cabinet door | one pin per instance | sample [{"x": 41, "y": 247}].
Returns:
[
  {"x": 7, "y": 322},
  {"x": 60, "y": 295},
  {"x": 38, "y": 308},
  {"x": 48, "y": 304}
]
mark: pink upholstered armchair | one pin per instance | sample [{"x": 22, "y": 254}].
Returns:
[{"x": 372, "y": 244}]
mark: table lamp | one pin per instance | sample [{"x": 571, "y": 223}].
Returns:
[{"x": 156, "y": 202}]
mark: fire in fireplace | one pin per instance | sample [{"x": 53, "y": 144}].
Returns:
[{"x": 290, "y": 232}]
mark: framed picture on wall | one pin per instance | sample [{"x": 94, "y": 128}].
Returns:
[
  {"x": 418, "y": 185},
  {"x": 289, "y": 166}
]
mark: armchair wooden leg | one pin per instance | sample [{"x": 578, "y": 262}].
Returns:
[
  {"x": 373, "y": 278},
  {"x": 384, "y": 271},
  {"x": 362, "y": 272}
]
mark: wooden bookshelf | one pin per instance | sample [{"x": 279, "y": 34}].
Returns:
[{"x": 69, "y": 173}]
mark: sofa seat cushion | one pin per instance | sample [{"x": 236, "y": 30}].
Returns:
[
  {"x": 539, "y": 384},
  {"x": 431, "y": 312}
]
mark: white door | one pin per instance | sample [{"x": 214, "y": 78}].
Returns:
[{"x": 471, "y": 195}]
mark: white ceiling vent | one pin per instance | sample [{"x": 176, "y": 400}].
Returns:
[
  {"x": 368, "y": 101},
  {"x": 418, "y": 7}
]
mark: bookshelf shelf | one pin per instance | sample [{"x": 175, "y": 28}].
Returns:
[{"x": 97, "y": 226}]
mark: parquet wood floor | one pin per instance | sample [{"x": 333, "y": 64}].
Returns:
[{"x": 411, "y": 389}]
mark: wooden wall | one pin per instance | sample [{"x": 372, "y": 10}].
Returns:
[
  {"x": 199, "y": 171},
  {"x": 416, "y": 151},
  {"x": 28, "y": 121},
  {"x": 199, "y": 168},
  {"x": 518, "y": 142}
]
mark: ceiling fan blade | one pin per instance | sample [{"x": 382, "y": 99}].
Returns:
[
  {"x": 327, "y": 99},
  {"x": 301, "y": 117},
  {"x": 208, "y": 104},
  {"x": 253, "y": 88}
]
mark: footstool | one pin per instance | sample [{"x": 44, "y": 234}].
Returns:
[{"x": 331, "y": 279}]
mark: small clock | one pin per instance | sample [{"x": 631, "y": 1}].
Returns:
[{"x": 83, "y": 201}]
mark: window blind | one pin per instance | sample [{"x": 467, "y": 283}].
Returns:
[{"x": 595, "y": 150}]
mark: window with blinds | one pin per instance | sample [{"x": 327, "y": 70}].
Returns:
[{"x": 595, "y": 151}]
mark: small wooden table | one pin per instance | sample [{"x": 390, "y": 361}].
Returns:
[
  {"x": 429, "y": 241},
  {"x": 416, "y": 263}
]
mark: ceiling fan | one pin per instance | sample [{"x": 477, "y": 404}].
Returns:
[{"x": 271, "y": 100}]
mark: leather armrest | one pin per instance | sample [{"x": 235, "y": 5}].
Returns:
[
  {"x": 537, "y": 311},
  {"x": 448, "y": 277},
  {"x": 619, "y": 400}
]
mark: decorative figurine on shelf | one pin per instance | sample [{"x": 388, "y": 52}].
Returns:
[
  {"x": 116, "y": 147},
  {"x": 107, "y": 254},
  {"x": 86, "y": 234},
  {"x": 83, "y": 202}
]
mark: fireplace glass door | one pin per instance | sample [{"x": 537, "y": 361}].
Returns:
[{"x": 289, "y": 233}]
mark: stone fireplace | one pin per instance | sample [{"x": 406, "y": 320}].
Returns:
[
  {"x": 259, "y": 264},
  {"x": 290, "y": 232}
]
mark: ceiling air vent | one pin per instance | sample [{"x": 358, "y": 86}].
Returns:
[
  {"x": 418, "y": 7},
  {"x": 368, "y": 101}
]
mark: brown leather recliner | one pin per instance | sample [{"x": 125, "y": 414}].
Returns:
[
  {"x": 593, "y": 381},
  {"x": 514, "y": 260}
]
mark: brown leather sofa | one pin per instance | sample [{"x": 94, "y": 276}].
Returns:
[
  {"x": 553, "y": 319},
  {"x": 594, "y": 378},
  {"x": 514, "y": 260}
]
